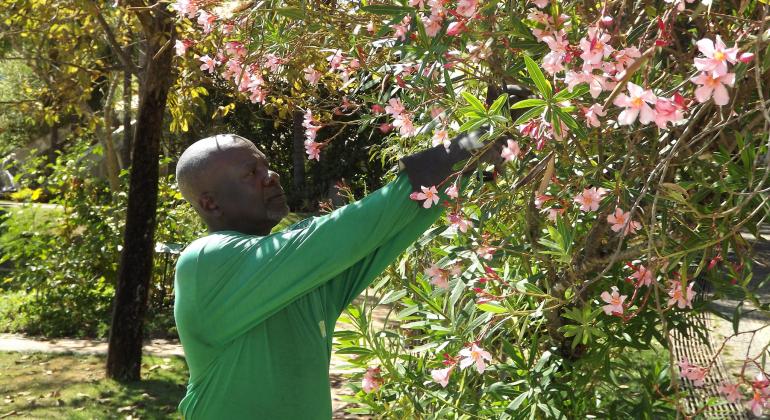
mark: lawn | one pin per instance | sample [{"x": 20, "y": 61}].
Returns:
[{"x": 41, "y": 385}]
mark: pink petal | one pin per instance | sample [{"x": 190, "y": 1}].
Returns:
[
  {"x": 706, "y": 46},
  {"x": 721, "y": 97},
  {"x": 703, "y": 93},
  {"x": 628, "y": 116}
]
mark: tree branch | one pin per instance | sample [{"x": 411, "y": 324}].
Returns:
[{"x": 113, "y": 42}]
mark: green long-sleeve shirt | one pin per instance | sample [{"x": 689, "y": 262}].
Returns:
[{"x": 256, "y": 314}]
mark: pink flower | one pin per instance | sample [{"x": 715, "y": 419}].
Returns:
[
  {"x": 596, "y": 82},
  {"x": 717, "y": 56},
  {"x": 643, "y": 276},
  {"x": 372, "y": 380},
  {"x": 452, "y": 191},
  {"x": 401, "y": 29},
  {"x": 540, "y": 3},
  {"x": 335, "y": 60},
  {"x": 455, "y": 28},
  {"x": 209, "y": 64},
  {"x": 625, "y": 57},
  {"x": 186, "y": 7},
  {"x": 614, "y": 302},
  {"x": 669, "y": 110},
  {"x": 385, "y": 127},
  {"x": 593, "y": 113},
  {"x": 441, "y": 137},
  {"x": 474, "y": 354},
  {"x": 206, "y": 20},
  {"x": 419, "y": 4},
  {"x": 438, "y": 277},
  {"x": 595, "y": 47},
  {"x": 511, "y": 151},
  {"x": 620, "y": 221},
  {"x": 430, "y": 195},
  {"x": 181, "y": 46},
  {"x": 635, "y": 104},
  {"x": 432, "y": 25},
  {"x": 694, "y": 373},
  {"x": 682, "y": 298},
  {"x": 679, "y": 3},
  {"x": 553, "y": 62},
  {"x": 757, "y": 403},
  {"x": 394, "y": 107},
  {"x": 313, "y": 150},
  {"x": 273, "y": 62},
  {"x": 441, "y": 376},
  {"x": 467, "y": 8},
  {"x": 590, "y": 198},
  {"x": 745, "y": 58},
  {"x": 235, "y": 49},
  {"x": 460, "y": 222},
  {"x": 713, "y": 86},
  {"x": 405, "y": 125},
  {"x": 312, "y": 75},
  {"x": 731, "y": 392},
  {"x": 554, "y": 213}
]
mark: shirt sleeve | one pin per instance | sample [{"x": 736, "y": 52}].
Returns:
[{"x": 242, "y": 280}]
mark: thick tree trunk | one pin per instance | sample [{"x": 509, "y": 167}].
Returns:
[
  {"x": 298, "y": 153},
  {"x": 130, "y": 304}
]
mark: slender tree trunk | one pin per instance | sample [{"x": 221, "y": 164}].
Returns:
[
  {"x": 125, "y": 347},
  {"x": 127, "y": 115},
  {"x": 298, "y": 153},
  {"x": 111, "y": 158}
]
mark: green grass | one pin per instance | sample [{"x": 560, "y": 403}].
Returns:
[{"x": 74, "y": 387}]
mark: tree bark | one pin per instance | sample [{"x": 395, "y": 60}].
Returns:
[
  {"x": 125, "y": 346},
  {"x": 127, "y": 116},
  {"x": 111, "y": 158}
]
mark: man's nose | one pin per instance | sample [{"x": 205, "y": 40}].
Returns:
[{"x": 272, "y": 178}]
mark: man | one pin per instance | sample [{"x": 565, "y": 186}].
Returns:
[{"x": 256, "y": 311}]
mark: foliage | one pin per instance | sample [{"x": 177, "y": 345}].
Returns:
[{"x": 633, "y": 169}]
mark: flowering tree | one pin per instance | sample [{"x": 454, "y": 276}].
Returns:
[{"x": 636, "y": 156}]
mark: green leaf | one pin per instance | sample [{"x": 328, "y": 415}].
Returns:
[
  {"x": 291, "y": 12},
  {"x": 537, "y": 76},
  {"x": 472, "y": 124},
  {"x": 565, "y": 94},
  {"x": 384, "y": 9},
  {"x": 474, "y": 102},
  {"x": 532, "y": 113},
  {"x": 528, "y": 103},
  {"x": 497, "y": 105},
  {"x": 492, "y": 307}
]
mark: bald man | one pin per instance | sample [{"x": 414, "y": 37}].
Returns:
[{"x": 256, "y": 311}]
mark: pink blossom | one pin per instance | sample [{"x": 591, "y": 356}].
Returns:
[
  {"x": 385, "y": 127},
  {"x": 679, "y": 3},
  {"x": 474, "y": 354},
  {"x": 596, "y": 82},
  {"x": 186, "y": 8},
  {"x": 636, "y": 103},
  {"x": 206, "y": 20},
  {"x": 401, "y": 29},
  {"x": 614, "y": 302},
  {"x": 486, "y": 252},
  {"x": 433, "y": 24},
  {"x": 394, "y": 107},
  {"x": 372, "y": 380},
  {"x": 682, "y": 298},
  {"x": 441, "y": 376},
  {"x": 621, "y": 222},
  {"x": 452, "y": 191},
  {"x": 595, "y": 46},
  {"x": 370, "y": 27},
  {"x": 438, "y": 277},
  {"x": 625, "y": 57},
  {"x": 460, "y": 222},
  {"x": 441, "y": 137},
  {"x": 643, "y": 276},
  {"x": 335, "y": 60},
  {"x": 430, "y": 195},
  {"x": 312, "y": 75},
  {"x": 455, "y": 28},
  {"x": 313, "y": 150},
  {"x": 757, "y": 403},
  {"x": 419, "y": 4},
  {"x": 235, "y": 49},
  {"x": 590, "y": 198},
  {"x": 311, "y": 125},
  {"x": 593, "y": 113},
  {"x": 669, "y": 110},
  {"x": 542, "y": 199},
  {"x": 405, "y": 125},
  {"x": 731, "y": 392},
  {"x": 181, "y": 46},
  {"x": 553, "y": 62},
  {"x": 467, "y": 8},
  {"x": 717, "y": 56},
  {"x": 511, "y": 151},
  {"x": 540, "y": 3},
  {"x": 209, "y": 64},
  {"x": 553, "y": 213},
  {"x": 694, "y": 373},
  {"x": 745, "y": 58},
  {"x": 713, "y": 86},
  {"x": 272, "y": 62}
]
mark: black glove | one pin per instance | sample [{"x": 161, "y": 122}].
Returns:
[{"x": 432, "y": 166}]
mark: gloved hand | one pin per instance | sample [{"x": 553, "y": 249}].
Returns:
[{"x": 432, "y": 166}]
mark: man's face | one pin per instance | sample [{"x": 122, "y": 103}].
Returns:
[{"x": 248, "y": 194}]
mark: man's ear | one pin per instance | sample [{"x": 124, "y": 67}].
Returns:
[{"x": 208, "y": 205}]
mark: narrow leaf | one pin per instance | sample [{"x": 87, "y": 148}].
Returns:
[{"x": 537, "y": 76}]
